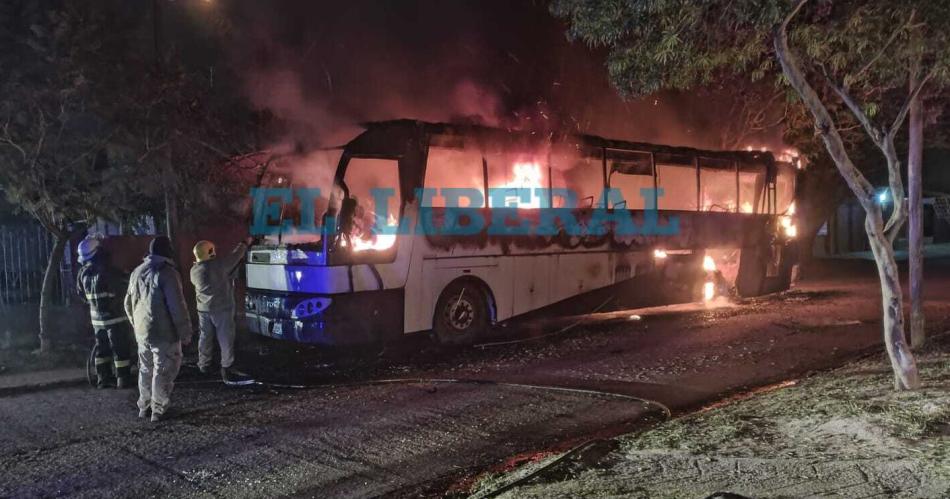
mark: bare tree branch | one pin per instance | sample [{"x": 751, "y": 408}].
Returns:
[
  {"x": 902, "y": 114},
  {"x": 873, "y": 131}
]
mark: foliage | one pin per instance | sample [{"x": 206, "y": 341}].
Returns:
[
  {"x": 96, "y": 124},
  {"x": 849, "y": 58},
  {"x": 680, "y": 44},
  {"x": 54, "y": 139}
]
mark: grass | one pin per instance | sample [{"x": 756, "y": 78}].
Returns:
[{"x": 844, "y": 432}]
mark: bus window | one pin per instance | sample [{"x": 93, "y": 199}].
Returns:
[
  {"x": 452, "y": 168},
  {"x": 365, "y": 177},
  {"x": 751, "y": 186},
  {"x": 679, "y": 187},
  {"x": 718, "y": 189},
  {"x": 630, "y": 187},
  {"x": 517, "y": 174},
  {"x": 583, "y": 176},
  {"x": 630, "y": 172}
]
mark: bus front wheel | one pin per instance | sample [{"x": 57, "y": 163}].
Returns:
[{"x": 461, "y": 314}]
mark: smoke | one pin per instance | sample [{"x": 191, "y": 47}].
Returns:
[{"x": 325, "y": 67}]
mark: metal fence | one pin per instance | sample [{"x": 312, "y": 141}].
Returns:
[{"x": 24, "y": 252}]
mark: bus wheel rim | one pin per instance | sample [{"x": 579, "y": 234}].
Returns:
[{"x": 460, "y": 315}]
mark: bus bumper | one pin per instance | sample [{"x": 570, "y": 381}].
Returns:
[{"x": 338, "y": 320}]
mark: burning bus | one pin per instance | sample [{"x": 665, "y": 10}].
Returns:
[{"x": 383, "y": 262}]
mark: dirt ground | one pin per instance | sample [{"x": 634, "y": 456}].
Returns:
[
  {"x": 351, "y": 435},
  {"x": 843, "y": 433}
]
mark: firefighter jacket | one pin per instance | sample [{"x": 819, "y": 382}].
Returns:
[
  {"x": 155, "y": 302},
  {"x": 103, "y": 287},
  {"x": 214, "y": 281}
]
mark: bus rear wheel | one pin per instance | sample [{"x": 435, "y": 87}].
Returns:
[{"x": 461, "y": 314}]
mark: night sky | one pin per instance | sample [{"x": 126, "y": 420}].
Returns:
[{"x": 329, "y": 65}]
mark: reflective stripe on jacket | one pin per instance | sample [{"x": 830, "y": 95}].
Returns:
[{"x": 102, "y": 287}]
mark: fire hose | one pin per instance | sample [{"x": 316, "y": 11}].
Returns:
[{"x": 467, "y": 381}]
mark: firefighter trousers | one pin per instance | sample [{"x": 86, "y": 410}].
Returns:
[
  {"x": 158, "y": 367},
  {"x": 217, "y": 324},
  {"x": 114, "y": 344}
]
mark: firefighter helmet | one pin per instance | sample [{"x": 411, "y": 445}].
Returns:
[
  {"x": 88, "y": 248},
  {"x": 204, "y": 251}
]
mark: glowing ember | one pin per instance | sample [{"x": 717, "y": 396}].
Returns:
[
  {"x": 377, "y": 242},
  {"x": 527, "y": 175},
  {"x": 709, "y": 265},
  {"x": 659, "y": 254}
]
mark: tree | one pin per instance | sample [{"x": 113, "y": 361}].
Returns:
[
  {"x": 89, "y": 124},
  {"x": 54, "y": 147},
  {"x": 850, "y": 54},
  {"x": 926, "y": 42}
]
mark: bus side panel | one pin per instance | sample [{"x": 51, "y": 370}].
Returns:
[
  {"x": 415, "y": 317},
  {"x": 575, "y": 273},
  {"x": 532, "y": 282}
]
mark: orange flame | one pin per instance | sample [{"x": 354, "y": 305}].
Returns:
[
  {"x": 376, "y": 242},
  {"x": 526, "y": 175}
]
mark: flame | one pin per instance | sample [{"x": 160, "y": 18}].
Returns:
[
  {"x": 709, "y": 265},
  {"x": 709, "y": 290},
  {"x": 747, "y": 207},
  {"x": 526, "y": 175},
  {"x": 377, "y": 242},
  {"x": 659, "y": 254},
  {"x": 787, "y": 223},
  {"x": 789, "y": 155}
]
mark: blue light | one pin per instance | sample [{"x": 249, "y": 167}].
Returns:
[{"x": 882, "y": 197}]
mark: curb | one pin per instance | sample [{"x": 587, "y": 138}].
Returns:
[{"x": 11, "y": 391}]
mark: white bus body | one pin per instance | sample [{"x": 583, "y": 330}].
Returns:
[{"x": 352, "y": 289}]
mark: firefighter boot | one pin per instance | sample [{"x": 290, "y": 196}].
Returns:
[
  {"x": 124, "y": 377},
  {"x": 104, "y": 375}
]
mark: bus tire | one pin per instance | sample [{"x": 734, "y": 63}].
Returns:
[{"x": 462, "y": 314}]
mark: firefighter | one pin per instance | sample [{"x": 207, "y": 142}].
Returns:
[
  {"x": 103, "y": 286},
  {"x": 156, "y": 306},
  {"x": 213, "y": 278}
]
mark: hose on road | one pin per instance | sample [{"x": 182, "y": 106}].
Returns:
[{"x": 406, "y": 381}]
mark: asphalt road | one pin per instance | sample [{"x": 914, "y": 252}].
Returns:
[{"x": 358, "y": 438}]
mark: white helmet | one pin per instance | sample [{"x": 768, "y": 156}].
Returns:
[{"x": 88, "y": 248}]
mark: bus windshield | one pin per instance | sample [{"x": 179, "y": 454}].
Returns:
[
  {"x": 313, "y": 170},
  {"x": 365, "y": 179}
]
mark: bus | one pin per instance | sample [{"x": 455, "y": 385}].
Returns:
[{"x": 724, "y": 224}]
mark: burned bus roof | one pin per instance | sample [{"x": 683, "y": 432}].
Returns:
[{"x": 414, "y": 129}]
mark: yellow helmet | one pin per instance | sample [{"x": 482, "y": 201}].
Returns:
[{"x": 204, "y": 251}]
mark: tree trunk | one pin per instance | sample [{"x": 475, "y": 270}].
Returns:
[
  {"x": 46, "y": 294},
  {"x": 915, "y": 229},
  {"x": 902, "y": 360}
]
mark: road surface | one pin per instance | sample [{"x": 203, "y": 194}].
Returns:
[{"x": 357, "y": 438}]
